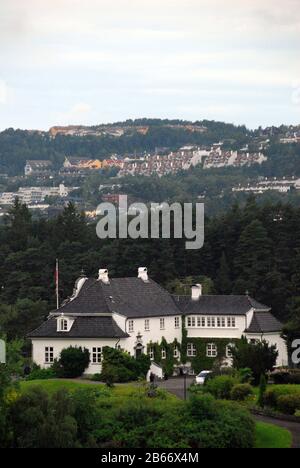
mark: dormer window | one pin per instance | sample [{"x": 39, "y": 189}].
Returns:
[{"x": 64, "y": 324}]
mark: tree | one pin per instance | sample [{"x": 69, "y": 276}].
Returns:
[
  {"x": 223, "y": 281},
  {"x": 260, "y": 357},
  {"x": 253, "y": 258},
  {"x": 43, "y": 421},
  {"x": 73, "y": 361}
]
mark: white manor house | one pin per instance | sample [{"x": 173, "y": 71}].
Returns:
[{"x": 135, "y": 313}]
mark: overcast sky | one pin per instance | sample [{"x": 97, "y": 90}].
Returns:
[{"x": 93, "y": 61}]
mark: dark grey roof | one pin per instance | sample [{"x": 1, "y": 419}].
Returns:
[
  {"x": 131, "y": 297},
  {"x": 264, "y": 322},
  {"x": 83, "y": 327},
  {"x": 219, "y": 305}
]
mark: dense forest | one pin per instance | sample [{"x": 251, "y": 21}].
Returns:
[{"x": 255, "y": 249}]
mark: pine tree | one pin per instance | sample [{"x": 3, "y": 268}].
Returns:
[{"x": 223, "y": 281}]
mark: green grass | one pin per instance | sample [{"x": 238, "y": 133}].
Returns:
[
  {"x": 270, "y": 436},
  {"x": 55, "y": 384}
]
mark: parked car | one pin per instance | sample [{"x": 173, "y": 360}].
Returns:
[{"x": 202, "y": 377}]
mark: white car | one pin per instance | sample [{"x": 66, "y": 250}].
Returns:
[{"x": 202, "y": 377}]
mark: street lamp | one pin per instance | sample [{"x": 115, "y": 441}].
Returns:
[{"x": 184, "y": 372}]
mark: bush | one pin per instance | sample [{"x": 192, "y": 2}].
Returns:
[
  {"x": 289, "y": 376},
  {"x": 270, "y": 399},
  {"x": 245, "y": 375},
  {"x": 272, "y": 395},
  {"x": 288, "y": 404},
  {"x": 240, "y": 392},
  {"x": 220, "y": 387},
  {"x": 73, "y": 361},
  {"x": 119, "y": 366},
  {"x": 41, "y": 374},
  {"x": 97, "y": 378}
]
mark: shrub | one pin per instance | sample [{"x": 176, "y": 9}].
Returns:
[
  {"x": 220, "y": 387},
  {"x": 259, "y": 357},
  {"x": 288, "y": 404},
  {"x": 240, "y": 392},
  {"x": 272, "y": 395},
  {"x": 74, "y": 361},
  {"x": 119, "y": 366},
  {"x": 97, "y": 378},
  {"x": 289, "y": 376},
  {"x": 245, "y": 375},
  {"x": 262, "y": 390},
  {"x": 270, "y": 399},
  {"x": 41, "y": 374}
]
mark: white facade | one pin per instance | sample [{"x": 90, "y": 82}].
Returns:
[{"x": 135, "y": 332}]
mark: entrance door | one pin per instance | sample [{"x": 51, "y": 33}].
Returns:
[{"x": 138, "y": 351}]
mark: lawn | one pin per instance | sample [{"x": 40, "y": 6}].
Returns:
[{"x": 270, "y": 436}]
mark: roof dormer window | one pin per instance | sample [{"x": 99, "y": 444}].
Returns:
[{"x": 64, "y": 324}]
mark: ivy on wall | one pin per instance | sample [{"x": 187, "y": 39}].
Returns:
[
  {"x": 201, "y": 361},
  {"x": 169, "y": 362}
]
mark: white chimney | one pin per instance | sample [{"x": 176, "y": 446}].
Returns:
[
  {"x": 196, "y": 292},
  {"x": 103, "y": 276},
  {"x": 143, "y": 273}
]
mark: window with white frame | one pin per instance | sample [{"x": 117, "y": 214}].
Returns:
[
  {"x": 177, "y": 322},
  {"x": 64, "y": 325},
  {"x": 211, "y": 350},
  {"x": 219, "y": 322},
  {"x": 213, "y": 322},
  {"x": 191, "y": 350},
  {"x": 163, "y": 353},
  {"x": 176, "y": 352},
  {"x": 96, "y": 355},
  {"x": 147, "y": 325},
  {"x": 223, "y": 322},
  {"x": 231, "y": 322},
  {"x": 151, "y": 353},
  {"x": 228, "y": 350},
  {"x": 191, "y": 321},
  {"x": 203, "y": 322},
  {"x": 131, "y": 326},
  {"x": 162, "y": 323},
  {"x": 49, "y": 354},
  {"x": 209, "y": 321}
]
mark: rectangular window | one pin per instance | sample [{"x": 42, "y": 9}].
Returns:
[
  {"x": 231, "y": 322},
  {"x": 147, "y": 325},
  {"x": 191, "y": 322},
  {"x": 203, "y": 322},
  {"x": 213, "y": 322},
  {"x": 198, "y": 321},
  {"x": 177, "y": 322},
  {"x": 219, "y": 322},
  {"x": 64, "y": 325},
  {"x": 209, "y": 321},
  {"x": 151, "y": 353},
  {"x": 176, "y": 352},
  {"x": 163, "y": 353},
  {"x": 96, "y": 355},
  {"x": 131, "y": 326},
  {"x": 191, "y": 350},
  {"x": 162, "y": 323},
  {"x": 211, "y": 350},
  {"x": 49, "y": 354},
  {"x": 223, "y": 322}
]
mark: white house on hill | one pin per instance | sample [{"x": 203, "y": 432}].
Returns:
[{"x": 134, "y": 314}]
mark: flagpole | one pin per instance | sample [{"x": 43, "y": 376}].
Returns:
[{"x": 56, "y": 284}]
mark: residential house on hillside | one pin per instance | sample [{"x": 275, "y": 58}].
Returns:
[
  {"x": 135, "y": 314},
  {"x": 38, "y": 168}
]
